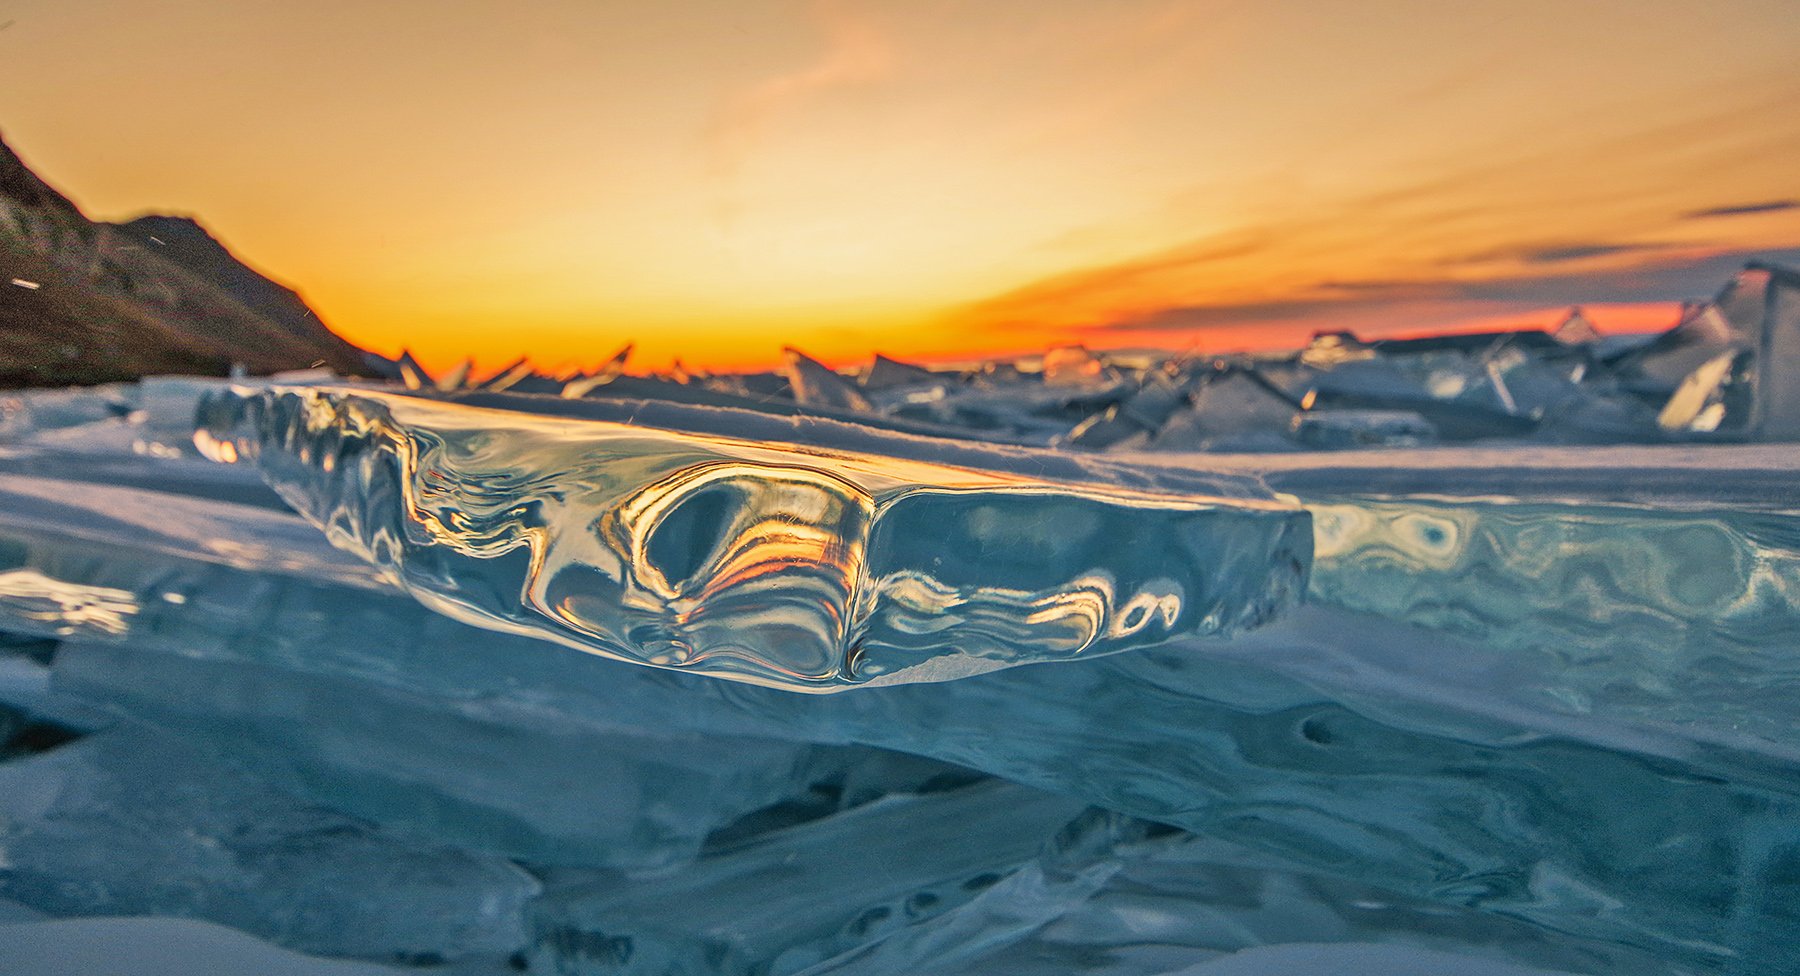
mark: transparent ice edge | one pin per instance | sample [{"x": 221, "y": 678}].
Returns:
[{"x": 807, "y": 566}]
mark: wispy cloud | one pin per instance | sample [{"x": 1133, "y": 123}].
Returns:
[
  {"x": 1521, "y": 221},
  {"x": 1661, "y": 280},
  {"x": 1742, "y": 209},
  {"x": 856, "y": 52}
]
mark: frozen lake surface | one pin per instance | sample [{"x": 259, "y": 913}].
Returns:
[{"x": 1085, "y": 667}]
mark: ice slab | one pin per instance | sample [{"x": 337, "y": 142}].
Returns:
[
  {"x": 1330, "y": 743},
  {"x": 1151, "y": 905},
  {"x": 1657, "y": 581},
  {"x": 209, "y": 614},
  {"x": 158, "y": 947},
  {"x": 796, "y": 898},
  {"x": 1777, "y": 415},
  {"x": 127, "y": 822},
  {"x": 502, "y": 774},
  {"x": 804, "y": 565},
  {"x": 24, "y": 413},
  {"x": 1340, "y": 429}
]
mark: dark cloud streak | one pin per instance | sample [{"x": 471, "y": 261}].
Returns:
[
  {"x": 1742, "y": 209},
  {"x": 1666, "y": 281}
]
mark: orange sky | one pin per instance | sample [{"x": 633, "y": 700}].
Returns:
[{"x": 931, "y": 178}]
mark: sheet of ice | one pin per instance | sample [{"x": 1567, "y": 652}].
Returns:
[
  {"x": 24, "y": 413},
  {"x": 1146, "y": 906},
  {"x": 501, "y": 774},
  {"x": 1352, "y": 960},
  {"x": 1333, "y": 742},
  {"x": 1618, "y": 832},
  {"x": 128, "y": 822},
  {"x": 158, "y": 947},
  {"x": 809, "y": 566},
  {"x": 796, "y": 898},
  {"x": 1337, "y": 429}
]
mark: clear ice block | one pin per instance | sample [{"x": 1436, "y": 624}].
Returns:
[{"x": 807, "y": 561}]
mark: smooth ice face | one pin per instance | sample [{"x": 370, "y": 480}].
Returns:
[
  {"x": 131, "y": 822},
  {"x": 804, "y": 567}
]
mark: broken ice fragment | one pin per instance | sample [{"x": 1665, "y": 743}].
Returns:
[
  {"x": 610, "y": 370},
  {"x": 412, "y": 374},
  {"x": 1074, "y": 366},
  {"x": 1778, "y": 357},
  {"x": 1234, "y": 409},
  {"x": 800, "y": 566},
  {"x": 1705, "y": 400},
  {"x": 457, "y": 378},
  {"x": 816, "y": 384},
  {"x": 1575, "y": 329},
  {"x": 1143, "y": 413},
  {"x": 884, "y": 373}
]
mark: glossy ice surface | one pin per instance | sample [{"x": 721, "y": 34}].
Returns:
[{"x": 808, "y": 566}]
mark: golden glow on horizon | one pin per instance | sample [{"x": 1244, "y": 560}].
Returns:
[{"x": 925, "y": 178}]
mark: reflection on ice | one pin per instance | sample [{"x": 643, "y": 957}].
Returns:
[
  {"x": 803, "y": 567},
  {"x": 63, "y": 609}
]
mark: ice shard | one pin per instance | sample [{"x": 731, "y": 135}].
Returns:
[
  {"x": 1137, "y": 417},
  {"x": 816, "y": 384},
  {"x": 1234, "y": 409},
  {"x": 509, "y": 376},
  {"x": 412, "y": 374},
  {"x": 812, "y": 564},
  {"x": 1075, "y": 366},
  {"x": 1728, "y": 368},
  {"x": 610, "y": 370},
  {"x": 1715, "y": 396},
  {"x": 885, "y": 373},
  {"x": 1575, "y": 329}
]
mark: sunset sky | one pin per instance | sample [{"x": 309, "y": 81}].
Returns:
[{"x": 929, "y": 178}]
